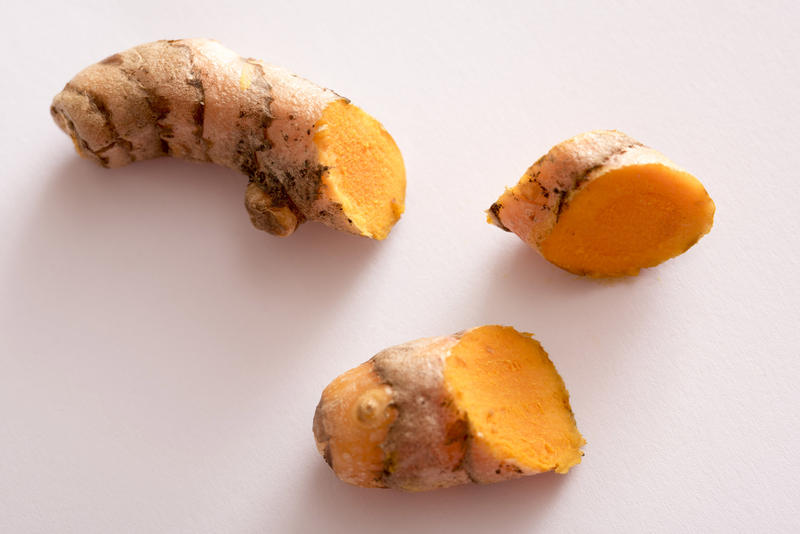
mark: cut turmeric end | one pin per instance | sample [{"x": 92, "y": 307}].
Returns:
[
  {"x": 362, "y": 414},
  {"x": 365, "y": 173},
  {"x": 628, "y": 219},
  {"x": 515, "y": 400}
]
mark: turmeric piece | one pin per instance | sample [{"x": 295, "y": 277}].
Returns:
[
  {"x": 603, "y": 205},
  {"x": 308, "y": 153},
  {"x": 480, "y": 406}
]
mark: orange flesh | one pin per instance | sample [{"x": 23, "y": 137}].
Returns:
[
  {"x": 515, "y": 400},
  {"x": 627, "y": 219},
  {"x": 366, "y": 173},
  {"x": 359, "y": 421}
]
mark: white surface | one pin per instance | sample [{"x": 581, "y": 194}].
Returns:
[{"x": 161, "y": 360}]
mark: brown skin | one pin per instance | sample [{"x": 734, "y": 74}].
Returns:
[
  {"x": 406, "y": 418},
  {"x": 647, "y": 211},
  {"x": 194, "y": 99}
]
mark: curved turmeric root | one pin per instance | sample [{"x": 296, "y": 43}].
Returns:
[
  {"x": 481, "y": 406},
  {"x": 602, "y": 204},
  {"x": 308, "y": 152}
]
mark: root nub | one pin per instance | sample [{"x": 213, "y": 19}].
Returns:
[{"x": 277, "y": 216}]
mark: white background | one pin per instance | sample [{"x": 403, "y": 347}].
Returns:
[{"x": 160, "y": 360}]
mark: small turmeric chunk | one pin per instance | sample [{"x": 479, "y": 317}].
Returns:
[
  {"x": 481, "y": 406},
  {"x": 602, "y": 204}
]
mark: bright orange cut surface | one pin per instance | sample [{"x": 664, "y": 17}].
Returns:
[
  {"x": 514, "y": 398},
  {"x": 366, "y": 172},
  {"x": 630, "y": 218}
]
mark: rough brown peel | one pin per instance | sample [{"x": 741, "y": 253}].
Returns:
[
  {"x": 480, "y": 406},
  {"x": 602, "y": 204},
  {"x": 308, "y": 153}
]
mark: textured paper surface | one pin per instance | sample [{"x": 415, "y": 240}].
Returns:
[{"x": 160, "y": 360}]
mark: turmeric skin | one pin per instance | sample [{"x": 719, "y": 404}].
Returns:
[
  {"x": 602, "y": 204},
  {"x": 481, "y": 406},
  {"x": 308, "y": 153},
  {"x": 360, "y": 420}
]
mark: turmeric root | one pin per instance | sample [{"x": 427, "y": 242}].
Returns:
[
  {"x": 309, "y": 154},
  {"x": 602, "y": 204},
  {"x": 479, "y": 406}
]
